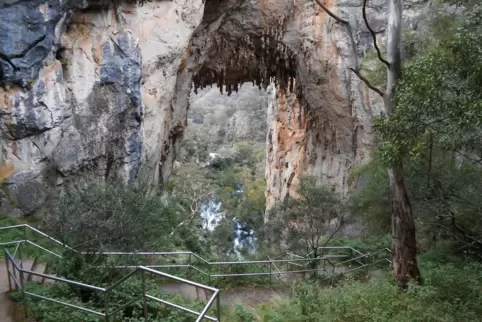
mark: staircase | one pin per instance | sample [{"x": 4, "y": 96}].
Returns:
[
  {"x": 10, "y": 311},
  {"x": 34, "y": 266}
]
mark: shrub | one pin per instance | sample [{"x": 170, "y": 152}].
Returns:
[{"x": 449, "y": 293}]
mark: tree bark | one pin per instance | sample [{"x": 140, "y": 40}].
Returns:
[{"x": 404, "y": 243}]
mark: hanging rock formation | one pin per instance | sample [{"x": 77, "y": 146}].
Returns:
[
  {"x": 320, "y": 119},
  {"x": 94, "y": 90}
]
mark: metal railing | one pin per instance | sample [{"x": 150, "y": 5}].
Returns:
[
  {"x": 355, "y": 259},
  {"x": 325, "y": 264},
  {"x": 17, "y": 279},
  {"x": 352, "y": 260}
]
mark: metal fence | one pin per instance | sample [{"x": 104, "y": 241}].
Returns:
[
  {"x": 329, "y": 265},
  {"x": 17, "y": 279}
]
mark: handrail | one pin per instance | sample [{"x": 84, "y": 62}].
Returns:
[
  {"x": 208, "y": 305},
  {"x": 40, "y": 233},
  {"x": 301, "y": 259},
  {"x": 13, "y": 267},
  {"x": 304, "y": 262}
]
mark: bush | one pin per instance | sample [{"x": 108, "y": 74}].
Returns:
[
  {"x": 449, "y": 294},
  {"x": 108, "y": 217},
  {"x": 121, "y": 295}
]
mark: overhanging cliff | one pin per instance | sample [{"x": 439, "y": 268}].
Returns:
[{"x": 94, "y": 92}]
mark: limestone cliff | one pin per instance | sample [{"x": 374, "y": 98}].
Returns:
[
  {"x": 319, "y": 122},
  {"x": 93, "y": 91},
  {"x": 86, "y": 91}
]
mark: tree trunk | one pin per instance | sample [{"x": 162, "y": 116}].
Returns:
[{"x": 404, "y": 245}]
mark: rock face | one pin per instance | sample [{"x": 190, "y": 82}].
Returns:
[
  {"x": 92, "y": 92},
  {"x": 86, "y": 91},
  {"x": 319, "y": 122}
]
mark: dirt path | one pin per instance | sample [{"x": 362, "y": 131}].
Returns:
[
  {"x": 254, "y": 295},
  {"x": 245, "y": 295},
  {"x": 6, "y": 305}
]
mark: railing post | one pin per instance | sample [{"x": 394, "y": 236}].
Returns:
[
  {"x": 270, "y": 263},
  {"x": 210, "y": 270},
  {"x": 218, "y": 307},
  {"x": 144, "y": 298},
  {"x": 106, "y": 305},
  {"x": 24, "y": 232},
  {"x": 190, "y": 267},
  {"x": 20, "y": 260},
  {"x": 8, "y": 269},
  {"x": 22, "y": 285},
  {"x": 20, "y": 255}
]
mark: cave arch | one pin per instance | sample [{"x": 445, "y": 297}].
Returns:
[{"x": 321, "y": 115}]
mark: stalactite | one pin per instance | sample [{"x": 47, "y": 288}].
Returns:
[{"x": 263, "y": 59}]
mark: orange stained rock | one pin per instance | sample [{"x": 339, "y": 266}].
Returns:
[{"x": 6, "y": 169}]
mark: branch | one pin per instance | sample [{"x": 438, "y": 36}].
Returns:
[
  {"x": 355, "y": 70},
  {"x": 345, "y": 22},
  {"x": 373, "y": 88},
  {"x": 474, "y": 161},
  {"x": 383, "y": 60},
  {"x": 341, "y": 223}
]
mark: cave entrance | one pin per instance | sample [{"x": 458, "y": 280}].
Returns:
[
  {"x": 222, "y": 162},
  {"x": 227, "y": 127}
]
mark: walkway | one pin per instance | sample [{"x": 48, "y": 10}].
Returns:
[
  {"x": 6, "y": 305},
  {"x": 241, "y": 295}
]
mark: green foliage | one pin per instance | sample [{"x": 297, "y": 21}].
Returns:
[
  {"x": 255, "y": 195},
  {"x": 449, "y": 293},
  {"x": 444, "y": 191},
  {"x": 307, "y": 221},
  {"x": 244, "y": 315},
  {"x": 439, "y": 101},
  {"x": 371, "y": 202},
  {"x": 122, "y": 295},
  {"x": 365, "y": 245},
  {"x": 217, "y": 122},
  {"x": 17, "y": 234},
  {"x": 110, "y": 217},
  {"x": 435, "y": 130}
]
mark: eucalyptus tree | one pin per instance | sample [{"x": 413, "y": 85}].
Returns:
[{"x": 404, "y": 245}]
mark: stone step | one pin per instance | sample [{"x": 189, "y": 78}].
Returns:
[
  {"x": 39, "y": 268},
  {"x": 28, "y": 263}
]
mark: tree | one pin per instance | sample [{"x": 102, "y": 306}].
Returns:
[
  {"x": 437, "y": 122},
  {"x": 256, "y": 195},
  {"x": 404, "y": 244},
  {"x": 192, "y": 190},
  {"x": 308, "y": 221}
]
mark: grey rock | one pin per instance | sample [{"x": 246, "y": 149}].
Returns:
[
  {"x": 121, "y": 66},
  {"x": 69, "y": 153},
  {"x": 6, "y": 208},
  {"x": 26, "y": 192},
  {"x": 106, "y": 112},
  {"x": 28, "y": 33}
]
